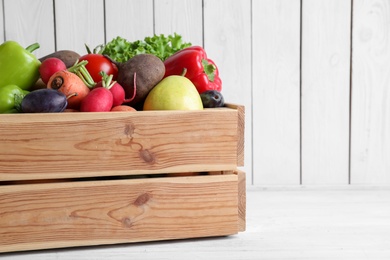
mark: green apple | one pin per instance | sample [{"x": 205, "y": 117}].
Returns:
[{"x": 174, "y": 93}]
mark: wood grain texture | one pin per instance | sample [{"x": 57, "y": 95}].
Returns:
[
  {"x": 276, "y": 93},
  {"x": 241, "y": 132},
  {"x": 21, "y": 24},
  {"x": 132, "y": 20},
  {"x": 79, "y": 23},
  {"x": 325, "y": 91},
  {"x": 227, "y": 40},
  {"x": 241, "y": 200},
  {"x": 44, "y": 146},
  {"x": 316, "y": 223},
  {"x": 370, "y": 137},
  {"x": 184, "y": 17},
  {"x": 107, "y": 212},
  {"x": 252, "y": 41}
]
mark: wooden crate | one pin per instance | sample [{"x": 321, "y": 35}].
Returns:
[{"x": 77, "y": 179}]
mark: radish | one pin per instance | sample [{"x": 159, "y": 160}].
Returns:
[
  {"x": 116, "y": 89},
  {"x": 50, "y": 66},
  {"x": 97, "y": 100}
]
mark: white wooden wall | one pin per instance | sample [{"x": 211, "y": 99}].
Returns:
[{"x": 314, "y": 75}]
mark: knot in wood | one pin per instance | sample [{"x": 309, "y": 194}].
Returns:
[
  {"x": 129, "y": 130},
  {"x": 142, "y": 199},
  {"x": 147, "y": 156},
  {"x": 126, "y": 222}
]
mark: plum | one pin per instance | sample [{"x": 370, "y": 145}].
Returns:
[
  {"x": 212, "y": 98},
  {"x": 44, "y": 101}
]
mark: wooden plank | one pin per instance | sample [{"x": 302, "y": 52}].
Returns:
[
  {"x": 67, "y": 214},
  {"x": 325, "y": 91},
  {"x": 181, "y": 16},
  {"x": 28, "y": 22},
  {"x": 79, "y": 23},
  {"x": 44, "y": 146},
  {"x": 241, "y": 200},
  {"x": 370, "y": 138},
  {"x": 240, "y": 132},
  {"x": 227, "y": 40},
  {"x": 276, "y": 92},
  {"x": 348, "y": 223},
  {"x": 132, "y": 20}
]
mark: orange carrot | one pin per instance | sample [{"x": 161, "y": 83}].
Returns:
[
  {"x": 75, "y": 82},
  {"x": 69, "y": 83},
  {"x": 123, "y": 108}
]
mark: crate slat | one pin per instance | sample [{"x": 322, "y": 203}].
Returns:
[
  {"x": 66, "y": 145},
  {"x": 66, "y": 214}
]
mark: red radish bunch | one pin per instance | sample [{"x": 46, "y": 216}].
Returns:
[
  {"x": 105, "y": 95},
  {"x": 97, "y": 100},
  {"x": 50, "y": 66}
]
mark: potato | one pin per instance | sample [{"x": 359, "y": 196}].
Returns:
[
  {"x": 68, "y": 57},
  {"x": 149, "y": 71}
]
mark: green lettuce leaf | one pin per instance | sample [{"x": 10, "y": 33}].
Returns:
[{"x": 121, "y": 50}]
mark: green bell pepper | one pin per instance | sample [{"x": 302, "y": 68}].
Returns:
[
  {"x": 18, "y": 66},
  {"x": 10, "y": 98}
]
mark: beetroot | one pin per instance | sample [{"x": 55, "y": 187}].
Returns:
[{"x": 149, "y": 69}]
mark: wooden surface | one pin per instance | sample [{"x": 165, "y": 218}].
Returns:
[
  {"x": 370, "y": 135},
  {"x": 313, "y": 75},
  {"x": 66, "y": 214},
  {"x": 276, "y": 92},
  {"x": 72, "y": 145},
  {"x": 325, "y": 87},
  {"x": 346, "y": 223},
  {"x": 227, "y": 38}
]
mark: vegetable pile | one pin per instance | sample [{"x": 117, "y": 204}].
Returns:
[{"x": 117, "y": 76}]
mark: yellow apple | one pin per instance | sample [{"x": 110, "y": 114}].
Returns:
[{"x": 173, "y": 93}]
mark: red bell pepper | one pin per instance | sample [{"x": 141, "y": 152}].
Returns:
[{"x": 194, "y": 64}]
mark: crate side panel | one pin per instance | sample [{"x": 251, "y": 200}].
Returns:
[
  {"x": 107, "y": 212},
  {"x": 41, "y": 146},
  {"x": 241, "y": 200}
]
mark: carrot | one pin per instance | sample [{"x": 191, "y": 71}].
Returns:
[
  {"x": 123, "y": 108},
  {"x": 74, "y": 81},
  {"x": 69, "y": 83}
]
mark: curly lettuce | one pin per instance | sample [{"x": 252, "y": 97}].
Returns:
[{"x": 121, "y": 50}]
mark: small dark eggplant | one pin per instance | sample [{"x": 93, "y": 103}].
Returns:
[{"x": 44, "y": 101}]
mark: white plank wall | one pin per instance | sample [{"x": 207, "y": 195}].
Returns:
[
  {"x": 78, "y": 23},
  {"x": 181, "y": 16},
  {"x": 30, "y": 21},
  {"x": 132, "y": 20},
  {"x": 370, "y": 153},
  {"x": 313, "y": 75},
  {"x": 276, "y": 92},
  {"x": 325, "y": 91},
  {"x": 227, "y": 39}
]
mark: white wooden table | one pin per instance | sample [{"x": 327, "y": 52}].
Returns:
[{"x": 282, "y": 223}]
